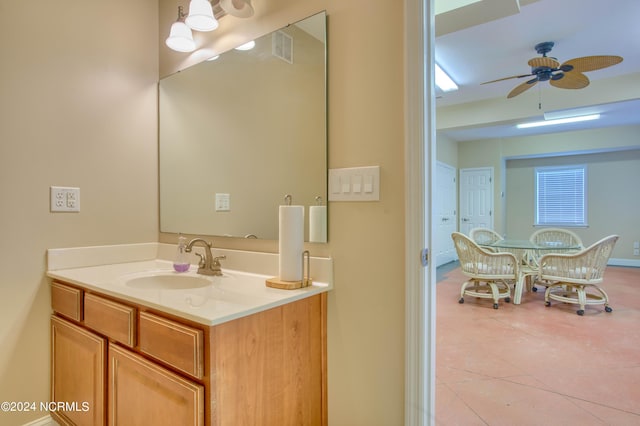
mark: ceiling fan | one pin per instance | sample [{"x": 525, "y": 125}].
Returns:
[{"x": 569, "y": 75}]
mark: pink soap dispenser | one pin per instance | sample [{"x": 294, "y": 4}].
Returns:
[{"x": 181, "y": 262}]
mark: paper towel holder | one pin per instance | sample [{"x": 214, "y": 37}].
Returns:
[{"x": 306, "y": 281}]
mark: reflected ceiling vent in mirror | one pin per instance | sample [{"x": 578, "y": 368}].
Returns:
[
  {"x": 282, "y": 46},
  {"x": 203, "y": 16}
]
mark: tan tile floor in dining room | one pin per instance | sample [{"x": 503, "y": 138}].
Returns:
[{"x": 529, "y": 364}]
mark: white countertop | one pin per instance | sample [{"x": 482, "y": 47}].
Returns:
[{"x": 234, "y": 295}]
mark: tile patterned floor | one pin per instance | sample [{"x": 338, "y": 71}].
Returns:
[{"x": 534, "y": 365}]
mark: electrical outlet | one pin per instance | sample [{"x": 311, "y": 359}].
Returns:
[
  {"x": 223, "y": 202},
  {"x": 65, "y": 199},
  {"x": 636, "y": 252}
]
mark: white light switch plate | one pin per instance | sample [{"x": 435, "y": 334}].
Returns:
[
  {"x": 354, "y": 184},
  {"x": 65, "y": 199}
]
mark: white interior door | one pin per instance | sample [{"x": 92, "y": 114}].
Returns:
[
  {"x": 445, "y": 218},
  {"x": 476, "y": 199}
]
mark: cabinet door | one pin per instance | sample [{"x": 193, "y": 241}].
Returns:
[
  {"x": 143, "y": 393},
  {"x": 77, "y": 374}
]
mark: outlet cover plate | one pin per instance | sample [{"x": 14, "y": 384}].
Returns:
[{"x": 65, "y": 199}]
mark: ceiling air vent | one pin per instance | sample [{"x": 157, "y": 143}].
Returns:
[{"x": 282, "y": 46}]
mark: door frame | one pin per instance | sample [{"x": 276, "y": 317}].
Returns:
[{"x": 419, "y": 147}]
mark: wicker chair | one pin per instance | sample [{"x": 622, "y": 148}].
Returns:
[
  {"x": 557, "y": 235},
  {"x": 554, "y": 236},
  {"x": 484, "y": 235},
  {"x": 573, "y": 276},
  {"x": 489, "y": 273}
]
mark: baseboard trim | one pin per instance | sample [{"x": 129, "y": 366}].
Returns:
[
  {"x": 44, "y": 421},
  {"x": 625, "y": 262}
]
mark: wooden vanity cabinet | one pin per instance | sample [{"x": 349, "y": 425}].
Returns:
[
  {"x": 78, "y": 365},
  {"x": 141, "y": 366},
  {"x": 143, "y": 393}
]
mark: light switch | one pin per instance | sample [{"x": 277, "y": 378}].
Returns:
[
  {"x": 334, "y": 183},
  {"x": 368, "y": 184},
  {"x": 354, "y": 184}
]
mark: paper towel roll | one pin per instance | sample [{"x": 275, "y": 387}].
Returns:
[
  {"x": 291, "y": 243},
  {"x": 318, "y": 224}
]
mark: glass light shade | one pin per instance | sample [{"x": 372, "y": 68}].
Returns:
[
  {"x": 200, "y": 16},
  {"x": 180, "y": 38}
]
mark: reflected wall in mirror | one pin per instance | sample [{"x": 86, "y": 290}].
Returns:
[{"x": 245, "y": 129}]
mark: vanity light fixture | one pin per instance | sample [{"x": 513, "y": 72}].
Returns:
[
  {"x": 559, "y": 121},
  {"x": 443, "y": 81},
  {"x": 247, "y": 46},
  {"x": 200, "y": 16},
  {"x": 180, "y": 37},
  {"x": 203, "y": 16}
]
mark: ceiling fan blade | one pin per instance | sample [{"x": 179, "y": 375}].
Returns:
[
  {"x": 522, "y": 87},
  {"x": 507, "y": 78},
  {"x": 543, "y": 61},
  {"x": 592, "y": 63},
  {"x": 571, "y": 80}
]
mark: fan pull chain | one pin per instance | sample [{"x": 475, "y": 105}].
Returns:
[{"x": 539, "y": 98}]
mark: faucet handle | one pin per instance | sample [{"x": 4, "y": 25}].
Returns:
[
  {"x": 217, "y": 259},
  {"x": 201, "y": 261}
]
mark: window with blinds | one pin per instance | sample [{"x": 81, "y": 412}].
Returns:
[{"x": 560, "y": 196}]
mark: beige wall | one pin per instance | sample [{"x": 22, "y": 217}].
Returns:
[
  {"x": 78, "y": 108},
  {"x": 447, "y": 150},
  {"x": 366, "y": 240},
  {"x": 612, "y": 178}
]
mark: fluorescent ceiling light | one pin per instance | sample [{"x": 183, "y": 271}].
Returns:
[
  {"x": 559, "y": 121},
  {"x": 443, "y": 81}
]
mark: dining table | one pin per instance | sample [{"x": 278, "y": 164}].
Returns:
[{"x": 528, "y": 254}]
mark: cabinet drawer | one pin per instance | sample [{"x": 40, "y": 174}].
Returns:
[
  {"x": 114, "y": 320},
  {"x": 177, "y": 344},
  {"x": 66, "y": 300}
]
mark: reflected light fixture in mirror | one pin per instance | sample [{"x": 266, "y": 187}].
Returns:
[{"x": 247, "y": 46}]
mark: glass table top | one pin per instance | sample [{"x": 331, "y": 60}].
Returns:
[{"x": 529, "y": 245}]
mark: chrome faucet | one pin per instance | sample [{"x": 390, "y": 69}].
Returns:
[{"x": 208, "y": 264}]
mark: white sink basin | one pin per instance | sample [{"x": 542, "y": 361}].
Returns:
[{"x": 168, "y": 281}]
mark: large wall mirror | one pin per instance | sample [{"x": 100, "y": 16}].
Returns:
[{"x": 240, "y": 132}]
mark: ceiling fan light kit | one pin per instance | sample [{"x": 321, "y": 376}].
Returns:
[{"x": 569, "y": 75}]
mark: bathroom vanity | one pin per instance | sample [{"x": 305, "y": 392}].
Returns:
[{"x": 135, "y": 343}]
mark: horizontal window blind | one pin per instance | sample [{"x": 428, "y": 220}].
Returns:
[{"x": 560, "y": 196}]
